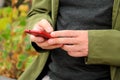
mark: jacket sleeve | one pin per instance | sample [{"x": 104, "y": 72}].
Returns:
[
  {"x": 104, "y": 47},
  {"x": 41, "y": 9}
]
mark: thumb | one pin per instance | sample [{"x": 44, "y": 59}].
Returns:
[{"x": 46, "y": 25}]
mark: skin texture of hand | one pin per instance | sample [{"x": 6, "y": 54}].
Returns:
[
  {"x": 43, "y": 25},
  {"x": 75, "y": 42}
]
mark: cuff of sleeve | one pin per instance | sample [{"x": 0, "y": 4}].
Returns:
[{"x": 37, "y": 48}]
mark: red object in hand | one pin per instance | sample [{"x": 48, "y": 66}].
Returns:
[{"x": 39, "y": 33}]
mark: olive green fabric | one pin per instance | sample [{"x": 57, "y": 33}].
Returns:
[{"x": 104, "y": 47}]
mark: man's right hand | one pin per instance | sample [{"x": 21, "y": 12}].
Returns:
[{"x": 43, "y": 25}]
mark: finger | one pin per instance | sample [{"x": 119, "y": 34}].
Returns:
[
  {"x": 71, "y": 48},
  {"x": 64, "y": 33},
  {"x": 52, "y": 46},
  {"x": 43, "y": 44},
  {"x": 63, "y": 41},
  {"x": 36, "y": 39},
  {"x": 78, "y": 54},
  {"x": 37, "y": 27},
  {"x": 46, "y": 25},
  {"x": 46, "y": 46}
]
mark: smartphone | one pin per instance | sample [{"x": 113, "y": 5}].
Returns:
[{"x": 39, "y": 33}]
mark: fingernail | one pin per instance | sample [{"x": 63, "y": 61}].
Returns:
[{"x": 53, "y": 34}]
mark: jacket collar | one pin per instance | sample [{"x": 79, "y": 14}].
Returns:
[{"x": 116, "y": 6}]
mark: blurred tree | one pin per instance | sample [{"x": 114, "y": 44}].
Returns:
[
  {"x": 16, "y": 52},
  {"x": 14, "y": 3},
  {"x": 19, "y": 3},
  {"x": 7, "y": 3}
]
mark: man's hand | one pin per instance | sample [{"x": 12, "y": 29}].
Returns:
[
  {"x": 43, "y": 25},
  {"x": 75, "y": 42}
]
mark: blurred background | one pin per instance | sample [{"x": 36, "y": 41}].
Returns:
[{"x": 16, "y": 53}]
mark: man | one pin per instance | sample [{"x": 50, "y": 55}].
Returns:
[{"x": 87, "y": 46}]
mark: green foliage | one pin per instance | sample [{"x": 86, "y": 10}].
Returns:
[
  {"x": 5, "y": 15},
  {"x": 15, "y": 49}
]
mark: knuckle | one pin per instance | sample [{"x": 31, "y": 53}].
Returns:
[{"x": 43, "y": 21}]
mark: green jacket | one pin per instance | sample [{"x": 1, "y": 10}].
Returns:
[{"x": 104, "y": 47}]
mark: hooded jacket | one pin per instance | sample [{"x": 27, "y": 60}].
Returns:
[{"x": 103, "y": 47}]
